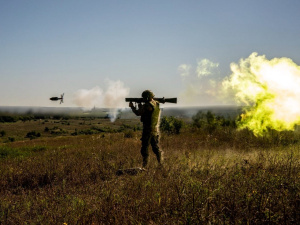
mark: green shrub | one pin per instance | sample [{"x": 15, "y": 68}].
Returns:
[
  {"x": 55, "y": 130},
  {"x": 32, "y": 135},
  {"x": 211, "y": 122},
  {"x": 8, "y": 119},
  {"x": 171, "y": 125},
  {"x": 210, "y": 118},
  {"x": 2, "y": 133},
  {"x": 198, "y": 119},
  {"x": 11, "y": 139},
  {"x": 129, "y": 134}
]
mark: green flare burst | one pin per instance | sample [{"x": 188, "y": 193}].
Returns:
[{"x": 269, "y": 89}]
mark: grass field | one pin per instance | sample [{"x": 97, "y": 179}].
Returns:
[{"x": 65, "y": 173}]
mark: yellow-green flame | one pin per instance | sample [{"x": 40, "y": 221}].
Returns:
[{"x": 271, "y": 88}]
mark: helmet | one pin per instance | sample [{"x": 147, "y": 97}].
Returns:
[{"x": 147, "y": 94}]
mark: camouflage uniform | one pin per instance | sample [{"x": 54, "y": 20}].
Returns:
[{"x": 150, "y": 114}]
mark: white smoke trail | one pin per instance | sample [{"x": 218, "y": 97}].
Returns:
[{"x": 112, "y": 98}]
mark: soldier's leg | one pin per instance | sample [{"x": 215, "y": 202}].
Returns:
[
  {"x": 156, "y": 149},
  {"x": 144, "y": 150}
]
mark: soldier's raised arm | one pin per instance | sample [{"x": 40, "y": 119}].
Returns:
[{"x": 138, "y": 111}]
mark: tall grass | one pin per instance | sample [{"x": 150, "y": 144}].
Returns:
[{"x": 222, "y": 176}]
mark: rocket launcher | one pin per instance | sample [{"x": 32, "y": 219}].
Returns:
[{"x": 160, "y": 100}]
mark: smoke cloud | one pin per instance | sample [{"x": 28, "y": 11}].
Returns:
[
  {"x": 88, "y": 98},
  {"x": 201, "y": 83},
  {"x": 112, "y": 97},
  {"x": 270, "y": 88}
]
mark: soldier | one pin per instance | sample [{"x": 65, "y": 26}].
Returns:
[{"x": 150, "y": 114}]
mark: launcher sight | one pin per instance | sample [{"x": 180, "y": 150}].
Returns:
[{"x": 161, "y": 100}]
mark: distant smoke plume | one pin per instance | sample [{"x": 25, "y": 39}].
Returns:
[
  {"x": 201, "y": 83},
  {"x": 112, "y": 98},
  {"x": 270, "y": 88}
]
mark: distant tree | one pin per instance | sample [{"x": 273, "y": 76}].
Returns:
[
  {"x": 210, "y": 117},
  {"x": 198, "y": 119}
]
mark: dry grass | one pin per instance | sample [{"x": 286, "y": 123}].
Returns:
[{"x": 225, "y": 177}]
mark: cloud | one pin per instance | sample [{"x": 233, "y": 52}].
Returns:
[
  {"x": 184, "y": 70},
  {"x": 206, "y": 67},
  {"x": 201, "y": 85}
]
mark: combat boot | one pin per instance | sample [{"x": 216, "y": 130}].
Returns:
[
  {"x": 159, "y": 157},
  {"x": 145, "y": 162}
]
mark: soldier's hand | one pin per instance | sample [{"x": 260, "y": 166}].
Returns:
[{"x": 130, "y": 104}]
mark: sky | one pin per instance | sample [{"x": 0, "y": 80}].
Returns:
[{"x": 98, "y": 52}]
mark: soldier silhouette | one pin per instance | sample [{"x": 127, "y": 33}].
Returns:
[{"x": 150, "y": 115}]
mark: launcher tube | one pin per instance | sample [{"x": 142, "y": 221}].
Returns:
[{"x": 161, "y": 100}]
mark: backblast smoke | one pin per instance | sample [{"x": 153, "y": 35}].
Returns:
[{"x": 112, "y": 98}]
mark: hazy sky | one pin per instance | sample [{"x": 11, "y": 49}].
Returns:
[{"x": 93, "y": 49}]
